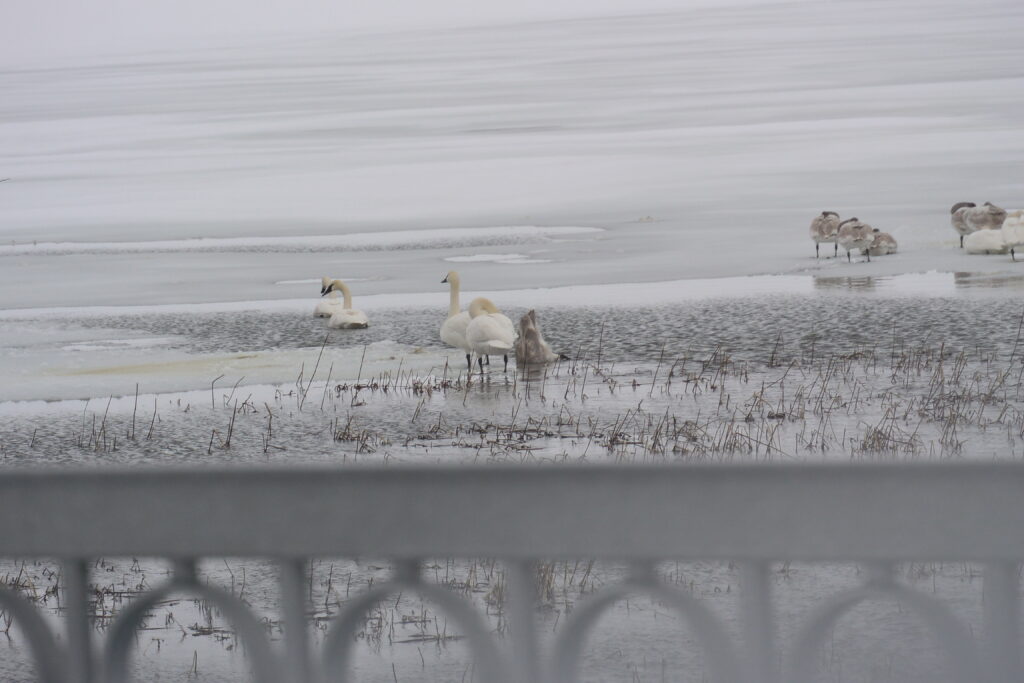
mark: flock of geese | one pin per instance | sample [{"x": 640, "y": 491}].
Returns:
[
  {"x": 481, "y": 330},
  {"x": 985, "y": 229}
]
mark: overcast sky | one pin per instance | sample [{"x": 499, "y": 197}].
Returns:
[{"x": 36, "y": 30}]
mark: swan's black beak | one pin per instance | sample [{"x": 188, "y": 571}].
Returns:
[
  {"x": 444, "y": 280},
  {"x": 325, "y": 291}
]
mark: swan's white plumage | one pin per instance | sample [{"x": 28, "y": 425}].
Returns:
[
  {"x": 453, "y": 329},
  {"x": 986, "y": 242},
  {"x": 325, "y": 308},
  {"x": 489, "y": 333},
  {"x": 1013, "y": 231},
  {"x": 347, "y": 317}
]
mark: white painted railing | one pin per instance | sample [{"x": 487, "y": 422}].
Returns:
[{"x": 751, "y": 515}]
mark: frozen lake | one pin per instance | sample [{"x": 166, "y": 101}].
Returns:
[{"x": 644, "y": 182}]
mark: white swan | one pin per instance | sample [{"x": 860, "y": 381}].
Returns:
[
  {"x": 325, "y": 308},
  {"x": 347, "y": 318},
  {"x": 986, "y": 242},
  {"x": 453, "y": 329},
  {"x": 489, "y": 333},
  {"x": 825, "y": 228},
  {"x": 957, "y": 217},
  {"x": 882, "y": 243},
  {"x": 1013, "y": 231},
  {"x": 855, "y": 235},
  {"x": 531, "y": 347}
]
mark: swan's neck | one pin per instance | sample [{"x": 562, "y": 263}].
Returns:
[
  {"x": 453, "y": 299},
  {"x": 347, "y": 293}
]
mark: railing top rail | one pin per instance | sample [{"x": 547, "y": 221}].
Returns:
[{"x": 798, "y": 512}]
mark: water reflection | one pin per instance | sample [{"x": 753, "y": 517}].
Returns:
[
  {"x": 925, "y": 284},
  {"x": 861, "y": 283},
  {"x": 988, "y": 280}
]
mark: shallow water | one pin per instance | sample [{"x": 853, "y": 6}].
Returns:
[{"x": 845, "y": 318}]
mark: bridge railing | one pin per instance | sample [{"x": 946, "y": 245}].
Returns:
[{"x": 753, "y": 516}]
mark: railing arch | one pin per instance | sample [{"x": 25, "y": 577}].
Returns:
[
  {"x": 48, "y": 658},
  {"x": 956, "y": 640},
  {"x": 121, "y": 638},
  {"x": 568, "y": 649},
  {"x": 408, "y": 577}
]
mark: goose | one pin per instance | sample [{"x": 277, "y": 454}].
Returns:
[
  {"x": 531, "y": 347},
  {"x": 985, "y": 217},
  {"x": 957, "y": 217},
  {"x": 1013, "y": 231},
  {"x": 453, "y": 329},
  {"x": 489, "y": 332},
  {"x": 882, "y": 243},
  {"x": 346, "y": 318},
  {"x": 825, "y": 228},
  {"x": 986, "y": 242},
  {"x": 855, "y": 235},
  {"x": 325, "y": 308}
]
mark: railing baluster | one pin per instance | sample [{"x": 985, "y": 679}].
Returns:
[
  {"x": 294, "y": 608},
  {"x": 522, "y": 601},
  {"x": 1002, "y": 622},
  {"x": 81, "y": 659},
  {"x": 757, "y": 622}
]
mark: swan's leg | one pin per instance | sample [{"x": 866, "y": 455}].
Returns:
[
  {"x": 867, "y": 252},
  {"x": 480, "y": 360},
  {"x": 488, "y": 359},
  {"x": 848, "y": 259},
  {"x": 961, "y": 241},
  {"x": 816, "y": 252},
  {"x": 1012, "y": 256},
  {"x": 469, "y": 364},
  {"x": 835, "y": 253},
  {"x": 506, "y": 362}
]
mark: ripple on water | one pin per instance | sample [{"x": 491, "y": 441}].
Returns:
[{"x": 748, "y": 327}]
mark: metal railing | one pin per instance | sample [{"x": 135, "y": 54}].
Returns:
[{"x": 877, "y": 515}]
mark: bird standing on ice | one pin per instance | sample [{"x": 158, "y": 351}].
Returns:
[
  {"x": 855, "y": 235},
  {"x": 531, "y": 347},
  {"x": 1013, "y": 231},
  {"x": 958, "y": 219},
  {"x": 489, "y": 333},
  {"x": 347, "y": 318},
  {"x": 453, "y": 329},
  {"x": 325, "y": 308},
  {"x": 825, "y": 228}
]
